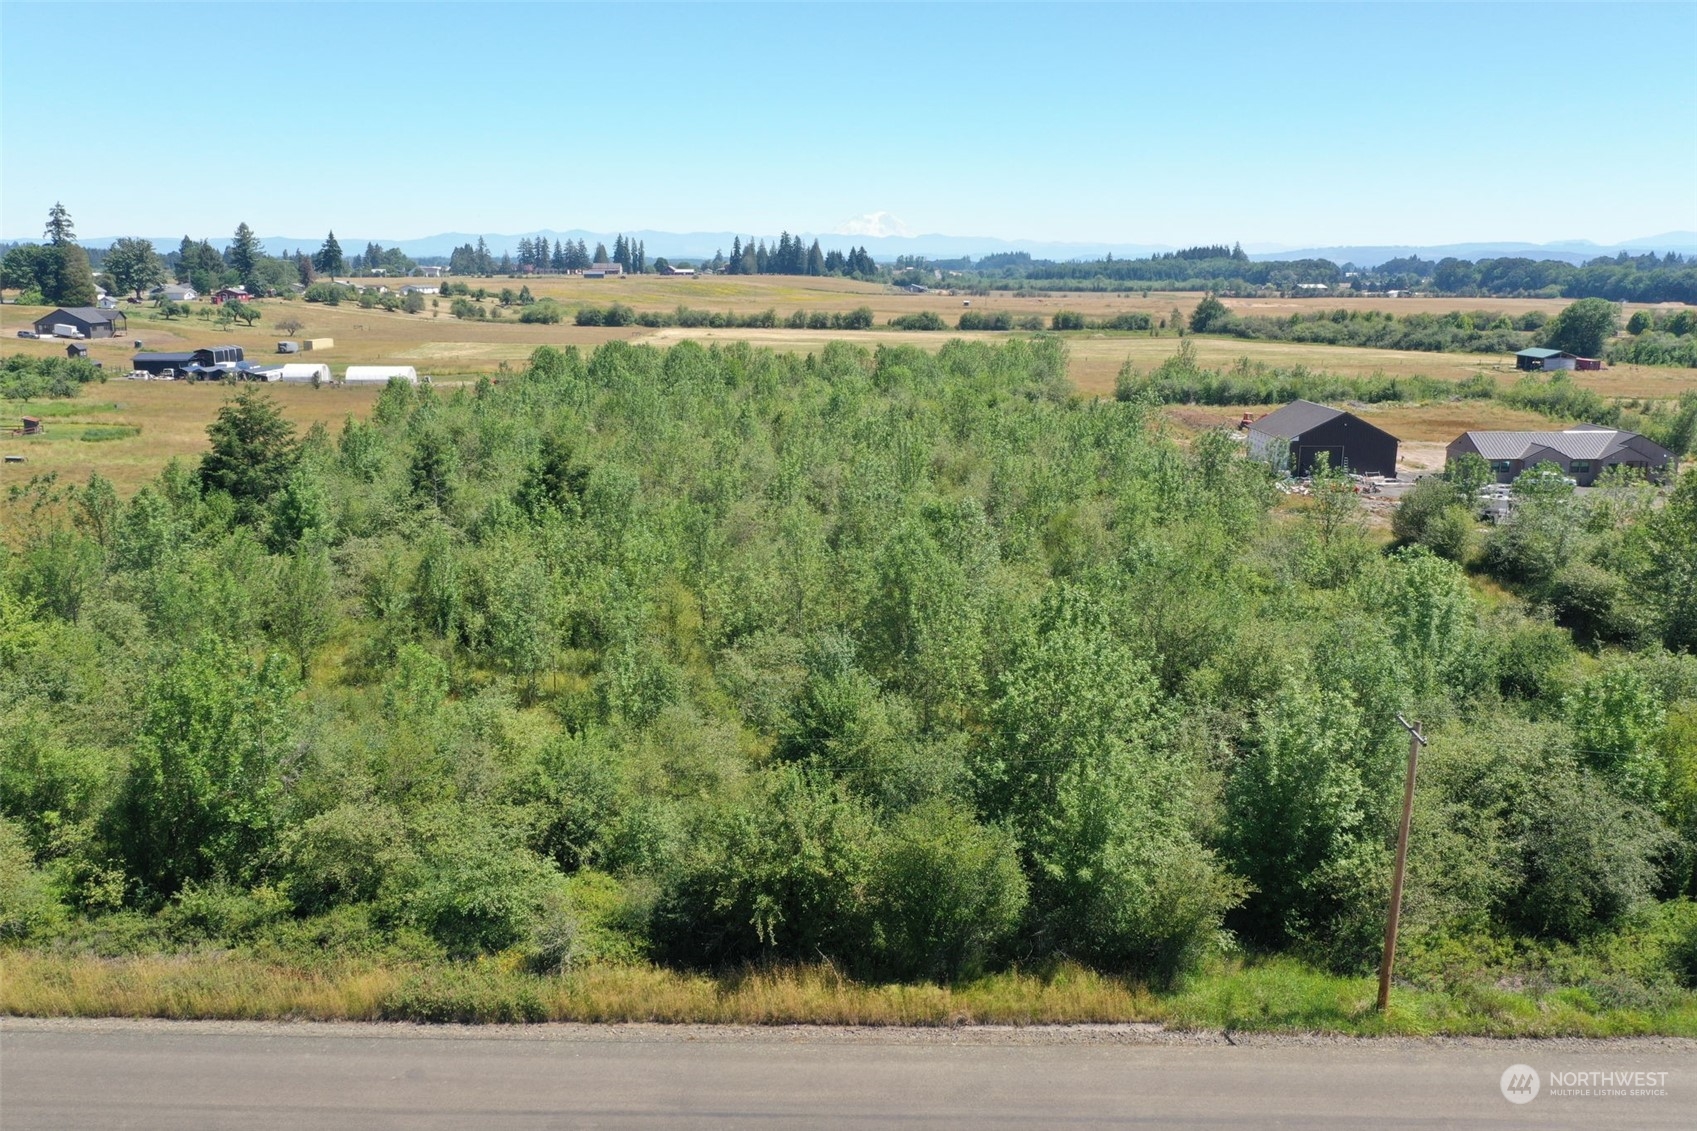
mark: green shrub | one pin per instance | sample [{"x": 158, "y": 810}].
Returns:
[
  {"x": 27, "y": 904},
  {"x": 782, "y": 876},
  {"x": 343, "y": 856},
  {"x": 472, "y": 890},
  {"x": 221, "y": 914},
  {"x": 923, "y": 320},
  {"x": 945, "y": 892}
]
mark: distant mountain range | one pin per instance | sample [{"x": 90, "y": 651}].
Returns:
[
  {"x": 702, "y": 245},
  {"x": 1569, "y": 251}
]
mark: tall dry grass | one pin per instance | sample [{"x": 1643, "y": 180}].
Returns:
[{"x": 225, "y": 987}]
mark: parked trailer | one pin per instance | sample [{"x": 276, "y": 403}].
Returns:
[
  {"x": 379, "y": 374},
  {"x": 288, "y": 347}
]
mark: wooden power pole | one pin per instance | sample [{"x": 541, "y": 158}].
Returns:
[{"x": 1415, "y": 742}]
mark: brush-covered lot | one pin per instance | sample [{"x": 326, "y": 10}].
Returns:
[{"x": 876, "y": 686}]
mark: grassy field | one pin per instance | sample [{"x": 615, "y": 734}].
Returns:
[{"x": 169, "y": 419}]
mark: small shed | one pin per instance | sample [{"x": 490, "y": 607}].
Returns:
[
  {"x": 379, "y": 374},
  {"x": 317, "y": 343},
  {"x": 32, "y": 426},
  {"x": 76, "y": 350},
  {"x": 1294, "y": 437},
  {"x": 1538, "y": 359}
]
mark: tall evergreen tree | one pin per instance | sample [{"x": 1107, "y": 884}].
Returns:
[
  {"x": 329, "y": 260},
  {"x": 59, "y": 230},
  {"x": 244, "y": 253}
]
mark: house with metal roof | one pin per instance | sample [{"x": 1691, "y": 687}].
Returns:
[
  {"x": 1583, "y": 452},
  {"x": 89, "y": 321},
  {"x": 1294, "y": 437}
]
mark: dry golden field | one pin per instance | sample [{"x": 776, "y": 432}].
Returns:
[{"x": 172, "y": 417}]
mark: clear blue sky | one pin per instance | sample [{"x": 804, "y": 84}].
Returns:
[{"x": 1265, "y": 123}]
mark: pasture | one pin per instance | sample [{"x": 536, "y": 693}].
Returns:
[{"x": 169, "y": 419}]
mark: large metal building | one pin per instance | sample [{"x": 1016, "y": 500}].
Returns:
[
  {"x": 1295, "y": 436},
  {"x": 1583, "y": 452}
]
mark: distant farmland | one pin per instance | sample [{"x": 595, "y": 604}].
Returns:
[{"x": 173, "y": 417}]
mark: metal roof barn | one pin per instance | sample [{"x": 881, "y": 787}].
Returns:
[{"x": 1295, "y": 436}]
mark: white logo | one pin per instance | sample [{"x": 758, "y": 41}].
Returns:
[{"x": 1520, "y": 1084}]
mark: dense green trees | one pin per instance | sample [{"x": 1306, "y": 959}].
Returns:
[
  {"x": 134, "y": 265},
  {"x": 1583, "y": 328},
  {"x": 908, "y": 661},
  {"x": 57, "y": 271}
]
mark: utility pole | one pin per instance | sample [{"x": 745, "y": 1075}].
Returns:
[{"x": 1415, "y": 741}]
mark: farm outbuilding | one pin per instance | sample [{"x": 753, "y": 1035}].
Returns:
[
  {"x": 317, "y": 343},
  {"x": 159, "y": 364},
  {"x": 304, "y": 371},
  {"x": 1583, "y": 452},
  {"x": 1296, "y": 435},
  {"x": 379, "y": 374},
  {"x": 1536, "y": 360},
  {"x": 75, "y": 350},
  {"x": 89, "y": 321}
]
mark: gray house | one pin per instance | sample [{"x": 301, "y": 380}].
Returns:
[
  {"x": 89, "y": 321},
  {"x": 1583, "y": 452}
]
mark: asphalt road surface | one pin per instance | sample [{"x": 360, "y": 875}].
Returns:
[{"x": 114, "y": 1074}]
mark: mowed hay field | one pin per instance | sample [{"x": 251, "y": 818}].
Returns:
[{"x": 144, "y": 424}]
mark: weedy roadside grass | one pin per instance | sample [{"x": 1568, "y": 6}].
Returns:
[{"x": 1273, "y": 995}]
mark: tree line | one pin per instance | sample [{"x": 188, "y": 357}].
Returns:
[{"x": 1620, "y": 278}]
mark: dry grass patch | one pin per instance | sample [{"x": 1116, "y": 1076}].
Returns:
[{"x": 169, "y": 419}]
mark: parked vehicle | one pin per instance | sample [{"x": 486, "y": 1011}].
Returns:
[
  {"x": 65, "y": 330},
  {"x": 28, "y": 334},
  {"x": 288, "y": 347}
]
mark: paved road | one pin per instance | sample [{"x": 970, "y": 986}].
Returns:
[{"x": 59, "y": 1074}]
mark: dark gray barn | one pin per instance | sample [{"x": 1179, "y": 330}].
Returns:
[
  {"x": 1296, "y": 434},
  {"x": 158, "y": 363}
]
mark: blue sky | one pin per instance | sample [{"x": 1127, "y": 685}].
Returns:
[{"x": 1267, "y": 123}]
